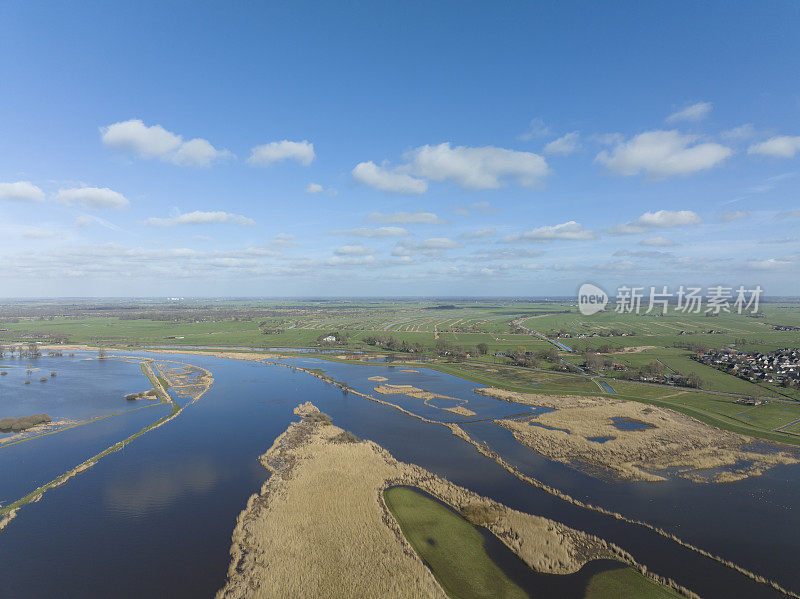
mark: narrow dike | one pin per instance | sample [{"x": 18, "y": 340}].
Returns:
[
  {"x": 9, "y": 512},
  {"x": 489, "y": 453}
]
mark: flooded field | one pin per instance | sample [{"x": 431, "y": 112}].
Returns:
[{"x": 156, "y": 518}]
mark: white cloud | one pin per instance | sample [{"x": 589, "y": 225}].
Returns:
[
  {"x": 485, "y": 167},
  {"x": 782, "y": 146},
  {"x": 351, "y": 260},
  {"x": 694, "y": 113},
  {"x": 739, "y": 133},
  {"x": 770, "y": 264},
  {"x": 432, "y": 246},
  {"x": 134, "y": 137},
  {"x": 658, "y": 219},
  {"x": 569, "y": 230},
  {"x": 668, "y": 218},
  {"x": 663, "y": 154},
  {"x": 480, "y": 233},
  {"x": 92, "y": 197},
  {"x": 379, "y": 232},
  {"x": 315, "y": 188},
  {"x": 21, "y": 191},
  {"x": 536, "y": 128},
  {"x": 482, "y": 207},
  {"x": 387, "y": 179},
  {"x": 84, "y": 220},
  {"x": 198, "y": 152},
  {"x": 643, "y": 254},
  {"x": 788, "y": 214},
  {"x": 492, "y": 254},
  {"x": 732, "y": 215},
  {"x": 355, "y": 249},
  {"x": 406, "y": 218},
  {"x": 616, "y": 266},
  {"x": 283, "y": 240},
  {"x": 300, "y": 151},
  {"x": 37, "y": 234},
  {"x": 567, "y": 144},
  {"x": 658, "y": 242},
  {"x": 200, "y": 218},
  {"x": 114, "y": 262}
]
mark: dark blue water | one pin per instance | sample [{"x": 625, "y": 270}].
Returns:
[
  {"x": 628, "y": 424},
  {"x": 156, "y": 519},
  {"x": 27, "y": 465},
  {"x": 357, "y": 376},
  {"x": 763, "y": 508},
  {"x": 607, "y": 387},
  {"x": 82, "y": 388},
  {"x": 600, "y": 439}
]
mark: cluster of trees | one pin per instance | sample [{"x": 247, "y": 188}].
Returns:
[
  {"x": 528, "y": 359},
  {"x": 657, "y": 372},
  {"x": 31, "y": 350},
  {"x": 442, "y": 347},
  {"x": 594, "y": 362},
  {"x": 445, "y": 348},
  {"x": 393, "y": 344},
  {"x": 700, "y": 348},
  {"x": 8, "y": 425}
]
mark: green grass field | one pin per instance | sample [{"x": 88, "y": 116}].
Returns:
[
  {"x": 451, "y": 546},
  {"x": 626, "y": 582},
  {"x": 463, "y": 324},
  {"x": 715, "y": 409},
  {"x": 455, "y": 552}
]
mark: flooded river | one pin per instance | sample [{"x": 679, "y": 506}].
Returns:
[{"x": 156, "y": 518}]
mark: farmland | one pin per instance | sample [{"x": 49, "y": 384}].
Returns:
[{"x": 511, "y": 344}]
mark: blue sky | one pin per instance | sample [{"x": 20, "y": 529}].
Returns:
[{"x": 453, "y": 148}]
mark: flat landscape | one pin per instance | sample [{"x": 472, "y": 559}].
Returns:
[
  {"x": 399, "y": 300},
  {"x": 509, "y": 383},
  {"x": 480, "y": 340}
]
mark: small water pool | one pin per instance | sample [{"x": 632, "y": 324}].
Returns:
[{"x": 624, "y": 423}]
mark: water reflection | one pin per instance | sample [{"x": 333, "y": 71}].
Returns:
[{"x": 161, "y": 485}]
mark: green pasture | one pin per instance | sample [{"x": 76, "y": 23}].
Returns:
[{"x": 456, "y": 553}]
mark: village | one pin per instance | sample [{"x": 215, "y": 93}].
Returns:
[{"x": 779, "y": 367}]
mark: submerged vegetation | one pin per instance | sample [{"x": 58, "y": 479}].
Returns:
[
  {"x": 203, "y": 382},
  {"x": 641, "y": 442}
]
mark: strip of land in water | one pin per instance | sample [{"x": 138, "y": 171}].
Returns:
[
  {"x": 192, "y": 387},
  {"x": 320, "y": 526},
  {"x": 592, "y": 431}
]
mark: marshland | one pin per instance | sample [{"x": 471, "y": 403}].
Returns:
[{"x": 187, "y": 482}]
